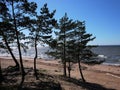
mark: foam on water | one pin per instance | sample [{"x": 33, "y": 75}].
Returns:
[
  {"x": 30, "y": 53},
  {"x": 111, "y": 54}
]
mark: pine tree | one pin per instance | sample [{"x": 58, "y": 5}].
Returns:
[
  {"x": 81, "y": 40},
  {"x": 75, "y": 48},
  {"x": 7, "y": 40},
  {"x": 59, "y": 44},
  {"x": 70, "y": 54},
  {"x": 41, "y": 30},
  {"x": 6, "y": 31},
  {"x": 19, "y": 12}
]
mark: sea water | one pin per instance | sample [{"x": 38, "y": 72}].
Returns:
[
  {"x": 29, "y": 53},
  {"x": 110, "y": 53}
]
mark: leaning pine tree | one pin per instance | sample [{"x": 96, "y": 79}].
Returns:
[
  {"x": 7, "y": 34},
  {"x": 81, "y": 40},
  {"x": 19, "y": 12}
]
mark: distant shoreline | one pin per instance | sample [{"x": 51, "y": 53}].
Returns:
[
  {"x": 30, "y": 58},
  {"x": 106, "y": 45}
]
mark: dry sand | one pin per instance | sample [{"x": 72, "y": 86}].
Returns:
[{"x": 102, "y": 75}]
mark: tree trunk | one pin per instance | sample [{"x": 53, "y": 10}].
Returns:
[
  {"x": 80, "y": 70},
  {"x": 18, "y": 43},
  {"x": 35, "y": 71},
  {"x": 64, "y": 69},
  {"x": 64, "y": 56},
  {"x": 17, "y": 66}
]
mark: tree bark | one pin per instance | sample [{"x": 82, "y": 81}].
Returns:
[
  {"x": 11, "y": 53},
  {"x": 64, "y": 68},
  {"x": 64, "y": 56},
  {"x": 35, "y": 58},
  {"x": 80, "y": 70},
  {"x": 18, "y": 43}
]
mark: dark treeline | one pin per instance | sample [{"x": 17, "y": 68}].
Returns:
[{"x": 70, "y": 43}]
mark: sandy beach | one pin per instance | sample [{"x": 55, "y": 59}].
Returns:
[{"x": 102, "y": 75}]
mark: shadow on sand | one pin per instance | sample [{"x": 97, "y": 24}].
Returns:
[
  {"x": 12, "y": 80},
  {"x": 86, "y": 85}
]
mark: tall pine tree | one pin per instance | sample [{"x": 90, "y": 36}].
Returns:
[
  {"x": 20, "y": 12},
  {"x": 41, "y": 30},
  {"x": 64, "y": 26},
  {"x": 7, "y": 34},
  {"x": 70, "y": 44},
  {"x": 81, "y": 48}
]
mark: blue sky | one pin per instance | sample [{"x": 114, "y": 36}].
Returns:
[{"x": 102, "y": 17}]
